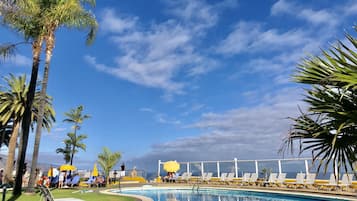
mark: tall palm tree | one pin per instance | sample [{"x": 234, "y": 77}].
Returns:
[
  {"x": 75, "y": 117},
  {"x": 12, "y": 107},
  {"x": 329, "y": 129},
  {"x": 107, "y": 160},
  {"x": 22, "y": 16},
  {"x": 66, "y": 151},
  {"x": 59, "y": 13},
  {"x": 75, "y": 142}
]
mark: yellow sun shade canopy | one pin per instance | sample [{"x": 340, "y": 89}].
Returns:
[
  {"x": 171, "y": 166},
  {"x": 67, "y": 167}
]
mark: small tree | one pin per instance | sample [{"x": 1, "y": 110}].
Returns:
[
  {"x": 76, "y": 117},
  {"x": 75, "y": 142},
  {"x": 107, "y": 160}
]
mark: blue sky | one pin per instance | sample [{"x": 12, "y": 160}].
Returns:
[{"x": 184, "y": 80}]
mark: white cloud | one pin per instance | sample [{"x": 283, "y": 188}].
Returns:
[
  {"x": 19, "y": 60},
  {"x": 112, "y": 23},
  {"x": 246, "y": 133},
  {"x": 155, "y": 56},
  {"x": 281, "y": 7},
  {"x": 160, "y": 117},
  {"x": 315, "y": 17},
  {"x": 259, "y": 40},
  {"x": 198, "y": 14}
]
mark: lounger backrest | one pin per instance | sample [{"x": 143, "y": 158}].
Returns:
[
  {"x": 208, "y": 176},
  {"x": 184, "y": 175},
  {"x": 281, "y": 178},
  {"x": 204, "y": 175},
  {"x": 272, "y": 177},
  {"x": 189, "y": 175},
  {"x": 75, "y": 180},
  {"x": 310, "y": 178},
  {"x": 300, "y": 178},
  {"x": 246, "y": 177},
  {"x": 230, "y": 176},
  {"x": 333, "y": 180},
  {"x": 347, "y": 179},
  {"x": 253, "y": 177},
  {"x": 223, "y": 176}
]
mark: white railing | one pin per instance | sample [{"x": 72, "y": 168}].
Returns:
[{"x": 236, "y": 164}]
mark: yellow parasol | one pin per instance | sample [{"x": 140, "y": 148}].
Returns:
[
  {"x": 67, "y": 167},
  {"x": 171, "y": 166},
  {"x": 95, "y": 170}
]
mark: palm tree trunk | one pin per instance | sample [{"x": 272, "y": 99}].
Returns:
[
  {"x": 11, "y": 153},
  {"x": 49, "y": 49},
  {"x": 26, "y": 121},
  {"x": 74, "y": 145}
]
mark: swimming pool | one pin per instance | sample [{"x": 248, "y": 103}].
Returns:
[{"x": 212, "y": 194}]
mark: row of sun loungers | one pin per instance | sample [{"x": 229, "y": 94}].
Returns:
[{"x": 275, "y": 180}]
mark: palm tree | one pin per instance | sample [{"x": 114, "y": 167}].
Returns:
[
  {"x": 75, "y": 142},
  {"x": 12, "y": 108},
  {"x": 59, "y": 13},
  {"x": 329, "y": 129},
  {"x": 23, "y": 17},
  {"x": 107, "y": 160},
  {"x": 75, "y": 117},
  {"x": 66, "y": 151}
]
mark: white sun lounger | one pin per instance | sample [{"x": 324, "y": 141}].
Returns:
[
  {"x": 223, "y": 177},
  {"x": 281, "y": 179},
  {"x": 253, "y": 179},
  {"x": 310, "y": 180},
  {"x": 346, "y": 181},
  {"x": 299, "y": 182},
  {"x": 271, "y": 180},
  {"x": 245, "y": 178},
  {"x": 230, "y": 177},
  {"x": 206, "y": 177},
  {"x": 332, "y": 183}
]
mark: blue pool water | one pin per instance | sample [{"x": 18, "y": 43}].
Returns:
[{"x": 217, "y": 195}]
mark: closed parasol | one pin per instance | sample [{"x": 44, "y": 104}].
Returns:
[
  {"x": 95, "y": 170},
  {"x": 171, "y": 166},
  {"x": 52, "y": 172}
]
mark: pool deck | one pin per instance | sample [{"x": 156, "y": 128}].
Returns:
[{"x": 283, "y": 190}]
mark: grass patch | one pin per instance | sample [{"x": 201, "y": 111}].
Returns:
[{"x": 71, "y": 193}]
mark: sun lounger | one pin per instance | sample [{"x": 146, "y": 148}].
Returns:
[
  {"x": 75, "y": 181},
  {"x": 346, "y": 181},
  {"x": 230, "y": 177},
  {"x": 91, "y": 181},
  {"x": 271, "y": 180},
  {"x": 281, "y": 179},
  {"x": 332, "y": 183},
  {"x": 253, "y": 179},
  {"x": 310, "y": 180},
  {"x": 245, "y": 178},
  {"x": 299, "y": 182},
  {"x": 182, "y": 177},
  {"x": 203, "y": 176},
  {"x": 223, "y": 177},
  {"x": 185, "y": 177},
  {"x": 206, "y": 177}
]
